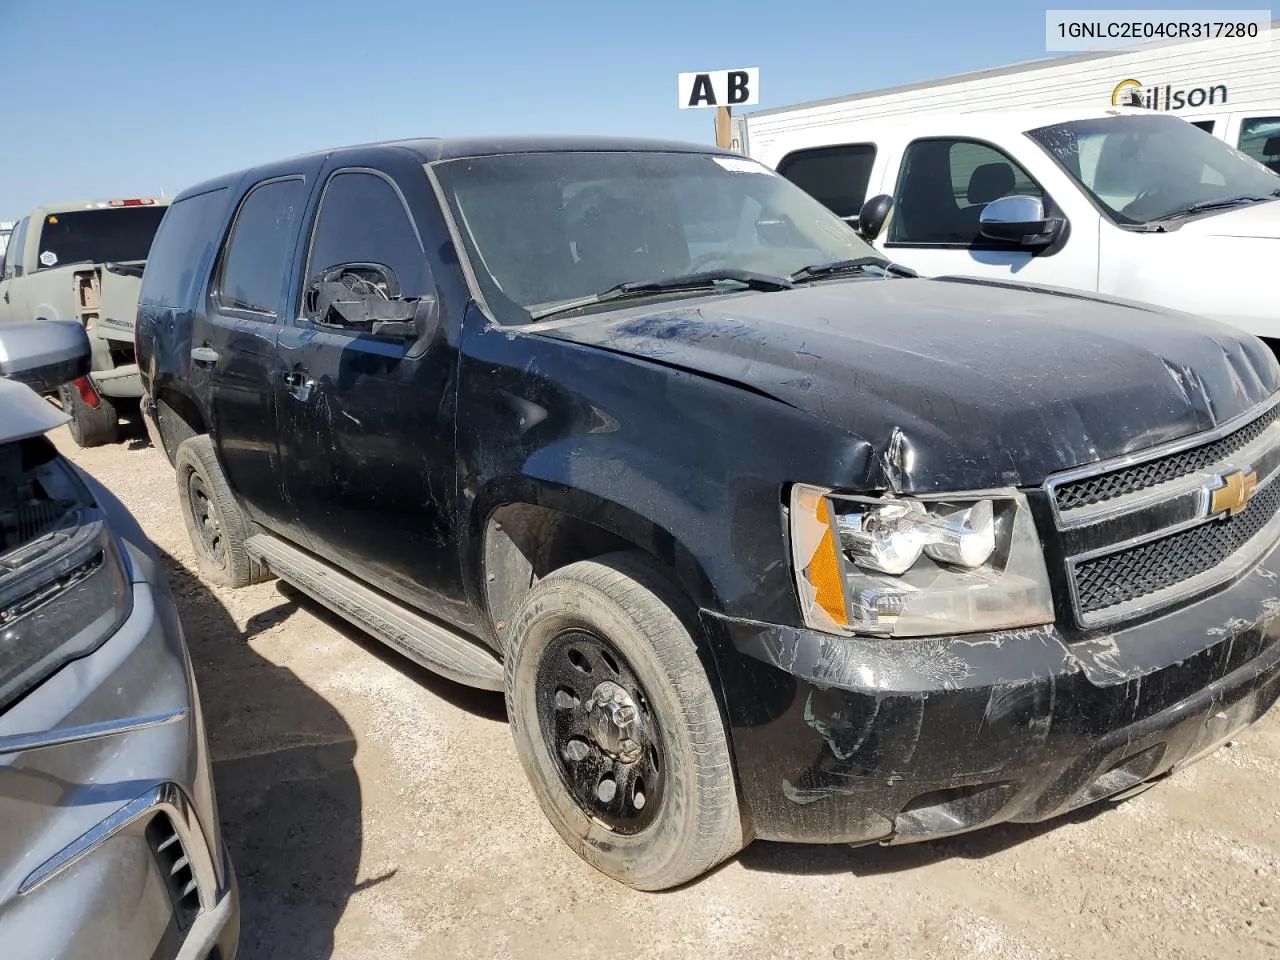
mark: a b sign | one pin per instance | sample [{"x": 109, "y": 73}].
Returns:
[{"x": 720, "y": 88}]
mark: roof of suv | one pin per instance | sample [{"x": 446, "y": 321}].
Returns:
[{"x": 429, "y": 150}]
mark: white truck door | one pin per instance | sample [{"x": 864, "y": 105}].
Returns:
[{"x": 942, "y": 186}]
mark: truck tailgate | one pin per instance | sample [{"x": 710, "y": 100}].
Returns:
[{"x": 107, "y": 298}]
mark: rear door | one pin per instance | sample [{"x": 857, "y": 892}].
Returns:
[
  {"x": 233, "y": 348},
  {"x": 366, "y": 424}
]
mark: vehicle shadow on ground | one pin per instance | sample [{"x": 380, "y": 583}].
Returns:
[
  {"x": 133, "y": 430},
  {"x": 487, "y": 705},
  {"x": 805, "y": 858},
  {"x": 288, "y": 794}
]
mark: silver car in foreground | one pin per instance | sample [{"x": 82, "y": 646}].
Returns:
[{"x": 109, "y": 836}]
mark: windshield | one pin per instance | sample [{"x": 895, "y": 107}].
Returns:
[
  {"x": 110, "y": 235},
  {"x": 1145, "y": 168},
  {"x": 543, "y": 229}
]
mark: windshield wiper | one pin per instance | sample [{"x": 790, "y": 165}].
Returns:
[
  {"x": 1205, "y": 205},
  {"x": 818, "y": 271},
  {"x": 703, "y": 280}
]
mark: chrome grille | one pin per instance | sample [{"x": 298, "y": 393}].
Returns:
[
  {"x": 1154, "y": 566},
  {"x": 175, "y": 868},
  {"x": 1141, "y": 532},
  {"x": 1096, "y": 489}
]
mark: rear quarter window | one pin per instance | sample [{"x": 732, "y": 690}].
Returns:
[
  {"x": 836, "y": 177},
  {"x": 183, "y": 249}
]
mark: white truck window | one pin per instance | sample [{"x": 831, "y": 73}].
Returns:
[
  {"x": 944, "y": 185},
  {"x": 836, "y": 177},
  {"x": 1260, "y": 139},
  {"x": 13, "y": 253}
]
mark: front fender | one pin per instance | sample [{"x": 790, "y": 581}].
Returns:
[{"x": 689, "y": 468}]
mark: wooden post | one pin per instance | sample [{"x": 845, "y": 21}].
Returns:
[{"x": 724, "y": 127}]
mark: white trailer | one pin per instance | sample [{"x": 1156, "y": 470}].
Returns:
[{"x": 1217, "y": 84}]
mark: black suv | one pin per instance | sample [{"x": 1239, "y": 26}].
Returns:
[{"x": 761, "y": 535}]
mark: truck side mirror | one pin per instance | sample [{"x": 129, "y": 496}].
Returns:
[
  {"x": 873, "y": 216},
  {"x": 350, "y": 294},
  {"x": 44, "y": 354},
  {"x": 1020, "y": 221}
]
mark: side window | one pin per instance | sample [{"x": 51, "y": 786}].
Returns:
[
  {"x": 187, "y": 232},
  {"x": 945, "y": 184},
  {"x": 256, "y": 255},
  {"x": 1205, "y": 125},
  {"x": 836, "y": 177},
  {"x": 363, "y": 220},
  {"x": 1260, "y": 139},
  {"x": 13, "y": 253}
]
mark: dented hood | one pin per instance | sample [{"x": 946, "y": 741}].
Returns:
[{"x": 958, "y": 384}]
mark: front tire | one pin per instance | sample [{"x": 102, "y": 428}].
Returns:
[
  {"x": 90, "y": 426},
  {"x": 617, "y": 726},
  {"x": 215, "y": 523}
]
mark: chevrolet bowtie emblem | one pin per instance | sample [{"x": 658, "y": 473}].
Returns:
[{"x": 1232, "y": 497}]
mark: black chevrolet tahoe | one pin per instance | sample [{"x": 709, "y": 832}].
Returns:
[{"x": 761, "y": 535}]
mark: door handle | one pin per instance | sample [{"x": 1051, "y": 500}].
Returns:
[
  {"x": 6, "y": 296},
  {"x": 299, "y": 385},
  {"x": 204, "y": 355}
]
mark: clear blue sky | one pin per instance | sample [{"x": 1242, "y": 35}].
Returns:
[{"x": 129, "y": 97}]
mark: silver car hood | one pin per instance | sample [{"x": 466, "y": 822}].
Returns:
[{"x": 24, "y": 413}]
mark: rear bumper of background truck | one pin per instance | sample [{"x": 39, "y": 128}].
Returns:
[
  {"x": 120, "y": 383},
  {"x": 845, "y": 740}
]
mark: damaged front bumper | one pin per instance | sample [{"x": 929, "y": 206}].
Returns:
[{"x": 851, "y": 740}]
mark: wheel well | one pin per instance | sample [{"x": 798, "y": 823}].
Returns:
[
  {"x": 177, "y": 419},
  {"x": 523, "y": 543}
]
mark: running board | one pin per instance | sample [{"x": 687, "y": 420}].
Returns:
[{"x": 436, "y": 647}]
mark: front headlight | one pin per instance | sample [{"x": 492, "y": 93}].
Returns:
[{"x": 909, "y": 567}]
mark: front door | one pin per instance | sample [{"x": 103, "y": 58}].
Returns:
[
  {"x": 367, "y": 434},
  {"x": 233, "y": 348},
  {"x": 944, "y": 184}
]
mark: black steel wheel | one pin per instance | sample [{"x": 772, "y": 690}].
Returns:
[
  {"x": 616, "y": 723},
  {"x": 209, "y": 537},
  {"x": 597, "y": 722},
  {"x": 217, "y": 527}
]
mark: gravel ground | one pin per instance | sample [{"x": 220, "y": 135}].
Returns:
[{"x": 374, "y": 810}]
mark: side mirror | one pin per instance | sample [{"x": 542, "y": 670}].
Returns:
[
  {"x": 1020, "y": 221},
  {"x": 44, "y": 354},
  {"x": 366, "y": 297},
  {"x": 425, "y": 315},
  {"x": 355, "y": 295},
  {"x": 873, "y": 216}
]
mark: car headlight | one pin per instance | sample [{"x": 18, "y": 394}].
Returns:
[{"x": 909, "y": 567}]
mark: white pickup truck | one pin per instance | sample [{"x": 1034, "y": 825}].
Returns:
[
  {"x": 1124, "y": 202},
  {"x": 84, "y": 261}
]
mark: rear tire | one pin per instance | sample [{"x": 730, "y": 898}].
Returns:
[
  {"x": 215, "y": 523},
  {"x": 90, "y": 426},
  {"x": 604, "y": 624}
]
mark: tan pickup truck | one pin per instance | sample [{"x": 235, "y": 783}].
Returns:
[{"x": 84, "y": 261}]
